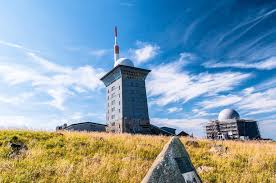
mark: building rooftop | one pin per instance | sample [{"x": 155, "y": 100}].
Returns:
[
  {"x": 124, "y": 61},
  {"x": 227, "y": 114}
]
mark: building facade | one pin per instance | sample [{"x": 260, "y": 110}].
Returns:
[
  {"x": 126, "y": 99},
  {"x": 230, "y": 126},
  {"x": 83, "y": 126}
]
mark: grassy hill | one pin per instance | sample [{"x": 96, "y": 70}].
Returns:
[{"x": 101, "y": 157}]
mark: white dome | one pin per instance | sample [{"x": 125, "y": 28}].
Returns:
[
  {"x": 227, "y": 114},
  {"x": 124, "y": 61}
]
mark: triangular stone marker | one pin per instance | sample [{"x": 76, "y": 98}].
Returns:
[{"x": 172, "y": 165}]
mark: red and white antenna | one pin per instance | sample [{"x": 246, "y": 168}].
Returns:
[{"x": 116, "y": 46}]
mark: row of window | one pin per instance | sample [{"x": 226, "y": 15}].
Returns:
[
  {"x": 113, "y": 88},
  {"x": 113, "y": 95},
  {"x": 113, "y": 115},
  {"x": 113, "y": 109},
  {"x": 129, "y": 73},
  {"x": 137, "y": 92},
  {"x": 113, "y": 103}
]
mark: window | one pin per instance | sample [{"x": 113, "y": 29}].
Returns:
[
  {"x": 119, "y": 110},
  {"x": 113, "y": 109},
  {"x": 119, "y": 103},
  {"x": 113, "y": 95},
  {"x": 113, "y": 116},
  {"x": 113, "y": 88},
  {"x": 113, "y": 102},
  {"x": 119, "y": 87}
]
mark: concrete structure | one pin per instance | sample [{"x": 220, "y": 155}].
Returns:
[
  {"x": 183, "y": 134},
  {"x": 230, "y": 126},
  {"x": 84, "y": 126},
  {"x": 155, "y": 130},
  {"x": 168, "y": 129},
  {"x": 173, "y": 164},
  {"x": 126, "y": 98}
]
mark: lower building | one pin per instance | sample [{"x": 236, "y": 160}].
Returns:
[
  {"x": 168, "y": 129},
  {"x": 184, "y": 134},
  {"x": 97, "y": 127},
  {"x": 230, "y": 126},
  {"x": 83, "y": 126}
]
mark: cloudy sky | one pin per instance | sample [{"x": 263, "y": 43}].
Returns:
[{"x": 204, "y": 55}]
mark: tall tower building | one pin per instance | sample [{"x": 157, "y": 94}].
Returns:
[{"x": 126, "y": 106}]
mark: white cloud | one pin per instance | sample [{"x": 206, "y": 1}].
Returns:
[
  {"x": 220, "y": 101},
  {"x": 44, "y": 76},
  {"x": 58, "y": 86},
  {"x": 11, "y": 44},
  {"x": 14, "y": 122},
  {"x": 76, "y": 116},
  {"x": 259, "y": 102},
  {"x": 168, "y": 83},
  {"x": 174, "y": 109},
  {"x": 195, "y": 126},
  {"x": 270, "y": 83},
  {"x": 15, "y": 100},
  {"x": 17, "y": 46},
  {"x": 17, "y": 74},
  {"x": 47, "y": 65},
  {"x": 267, "y": 128},
  {"x": 59, "y": 96},
  {"x": 185, "y": 56},
  {"x": 100, "y": 52},
  {"x": 144, "y": 52},
  {"x": 249, "y": 101},
  {"x": 267, "y": 64},
  {"x": 48, "y": 122},
  {"x": 202, "y": 113}
]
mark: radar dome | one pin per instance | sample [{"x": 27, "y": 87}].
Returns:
[
  {"x": 124, "y": 61},
  {"x": 227, "y": 114}
]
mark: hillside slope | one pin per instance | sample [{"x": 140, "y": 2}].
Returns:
[{"x": 101, "y": 157}]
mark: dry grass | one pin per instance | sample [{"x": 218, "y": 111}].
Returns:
[
  {"x": 101, "y": 157},
  {"x": 243, "y": 162},
  {"x": 78, "y": 157}
]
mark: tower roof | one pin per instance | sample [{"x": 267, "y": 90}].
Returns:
[
  {"x": 124, "y": 61},
  {"x": 227, "y": 114}
]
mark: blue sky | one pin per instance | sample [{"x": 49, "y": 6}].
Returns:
[{"x": 204, "y": 55}]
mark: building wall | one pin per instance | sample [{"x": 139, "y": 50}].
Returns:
[
  {"x": 232, "y": 129},
  {"x": 86, "y": 127},
  {"x": 127, "y": 109},
  {"x": 249, "y": 129},
  {"x": 114, "y": 106},
  {"x": 168, "y": 129},
  {"x": 135, "y": 108}
]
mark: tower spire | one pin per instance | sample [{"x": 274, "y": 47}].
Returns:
[{"x": 116, "y": 46}]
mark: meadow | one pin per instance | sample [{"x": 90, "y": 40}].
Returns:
[{"x": 103, "y": 157}]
